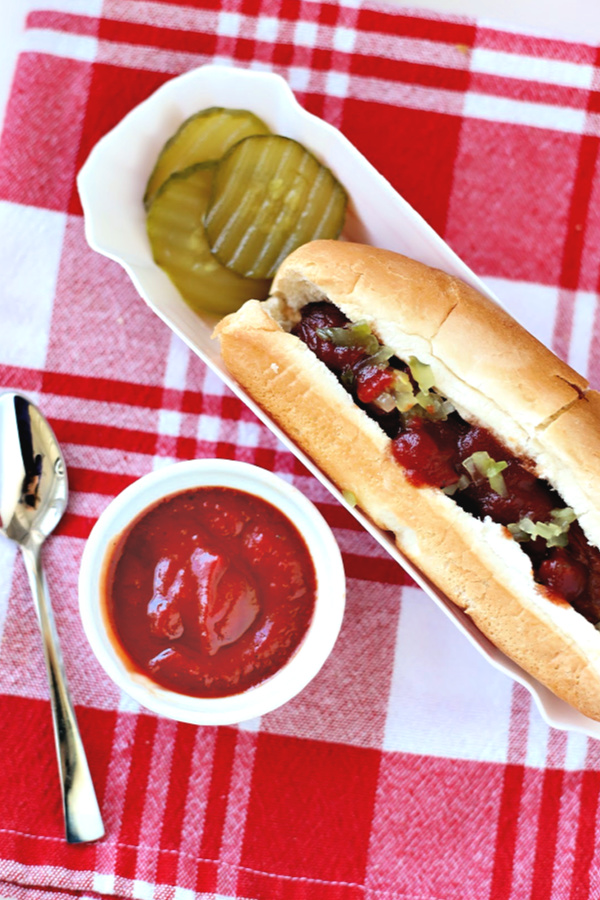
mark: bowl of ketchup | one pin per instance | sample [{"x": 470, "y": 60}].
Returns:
[{"x": 211, "y": 591}]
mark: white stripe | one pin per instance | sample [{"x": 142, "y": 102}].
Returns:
[
  {"x": 537, "y": 739},
  {"x": 104, "y": 882},
  {"x": 235, "y": 817},
  {"x": 194, "y": 813},
  {"x": 209, "y": 428},
  {"x": 169, "y": 422},
  {"x": 337, "y": 84},
  {"x": 576, "y": 753},
  {"x": 129, "y": 705},
  {"x": 302, "y": 33},
  {"x": 445, "y": 699},
  {"x": 99, "y": 412},
  {"x": 107, "y": 459},
  {"x": 298, "y": 78},
  {"x": 533, "y": 305},
  {"x": 8, "y": 552},
  {"x": 344, "y": 39},
  {"x": 73, "y": 7},
  {"x": 249, "y": 433},
  {"x": 87, "y": 503},
  {"x": 32, "y": 238},
  {"x": 184, "y": 894},
  {"x": 305, "y": 34},
  {"x": 267, "y": 29},
  {"x": 183, "y": 18},
  {"x": 517, "y": 112},
  {"x": 252, "y": 725},
  {"x": 581, "y": 335},
  {"x": 562, "y": 21},
  {"x": 154, "y": 804},
  {"x": 529, "y": 68},
  {"x": 411, "y": 96},
  {"x": 178, "y": 361},
  {"x": 414, "y": 50},
  {"x": 161, "y": 462},
  {"x": 259, "y": 66},
  {"x": 229, "y": 24},
  {"x": 213, "y": 385},
  {"x": 142, "y": 890},
  {"x": 57, "y": 43}
]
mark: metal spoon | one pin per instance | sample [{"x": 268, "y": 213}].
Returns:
[{"x": 33, "y": 497}]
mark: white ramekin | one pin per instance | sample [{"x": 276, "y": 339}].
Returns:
[{"x": 316, "y": 644}]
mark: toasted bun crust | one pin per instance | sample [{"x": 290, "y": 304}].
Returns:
[{"x": 423, "y": 312}]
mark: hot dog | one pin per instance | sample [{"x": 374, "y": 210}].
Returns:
[{"x": 452, "y": 427}]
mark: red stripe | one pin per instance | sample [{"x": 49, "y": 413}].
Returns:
[
  {"x": 175, "y": 806},
  {"x": 593, "y": 372},
  {"x": 178, "y": 39},
  {"x": 372, "y": 568},
  {"x": 137, "y": 787},
  {"x": 18, "y": 378},
  {"x": 412, "y": 26},
  {"x": 192, "y": 4},
  {"x": 65, "y": 22},
  {"x": 547, "y": 830},
  {"x": 72, "y": 525},
  {"x": 183, "y": 752},
  {"x": 207, "y": 873},
  {"x": 366, "y": 568},
  {"x": 93, "y": 435},
  {"x": 112, "y": 483},
  {"x": 337, "y": 516},
  {"x": 289, "y": 11},
  {"x": 585, "y": 844},
  {"x": 506, "y": 836},
  {"x": 93, "y": 482},
  {"x": 539, "y": 48},
  {"x": 403, "y": 72},
  {"x": 578, "y": 211},
  {"x": 160, "y": 37},
  {"x": 263, "y": 886},
  {"x": 107, "y": 390},
  {"x": 529, "y": 91},
  {"x": 575, "y": 235},
  {"x": 216, "y": 805}
]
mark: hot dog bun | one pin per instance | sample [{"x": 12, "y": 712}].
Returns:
[{"x": 496, "y": 374}]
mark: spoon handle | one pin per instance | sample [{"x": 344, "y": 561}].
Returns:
[{"x": 83, "y": 821}]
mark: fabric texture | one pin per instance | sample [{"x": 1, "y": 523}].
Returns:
[{"x": 409, "y": 768}]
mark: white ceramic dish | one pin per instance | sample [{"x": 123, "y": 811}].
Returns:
[
  {"x": 111, "y": 185},
  {"x": 315, "y": 646}
]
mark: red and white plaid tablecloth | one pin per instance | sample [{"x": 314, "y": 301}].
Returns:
[{"x": 410, "y": 768}]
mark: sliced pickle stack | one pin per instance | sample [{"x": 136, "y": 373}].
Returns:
[
  {"x": 270, "y": 195},
  {"x": 178, "y": 239},
  {"x": 203, "y": 137},
  {"x": 227, "y": 201}
]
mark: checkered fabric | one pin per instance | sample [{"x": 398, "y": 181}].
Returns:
[{"x": 409, "y": 768}]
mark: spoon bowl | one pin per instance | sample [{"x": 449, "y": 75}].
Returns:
[
  {"x": 33, "y": 498},
  {"x": 33, "y": 475}
]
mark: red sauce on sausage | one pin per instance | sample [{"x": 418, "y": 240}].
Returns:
[
  {"x": 209, "y": 592},
  {"x": 432, "y": 454}
]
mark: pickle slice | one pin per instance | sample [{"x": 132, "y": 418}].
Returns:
[
  {"x": 180, "y": 247},
  {"x": 204, "y": 137},
  {"x": 270, "y": 195}
]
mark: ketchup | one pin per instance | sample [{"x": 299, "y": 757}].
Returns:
[
  {"x": 432, "y": 453},
  {"x": 209, "y": 592}
]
